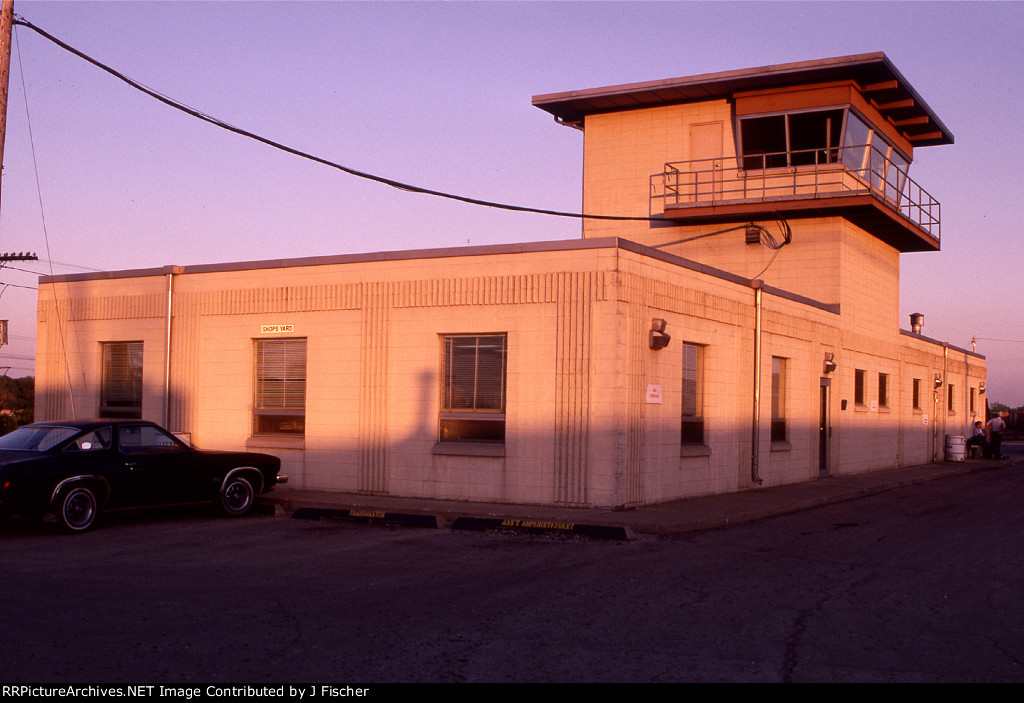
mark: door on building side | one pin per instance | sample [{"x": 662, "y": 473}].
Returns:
[
  {"x": 706, "y": 158},
  {"x": 824, "y": 429}
]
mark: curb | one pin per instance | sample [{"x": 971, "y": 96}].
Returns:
[{"x": 675, "y": 520}]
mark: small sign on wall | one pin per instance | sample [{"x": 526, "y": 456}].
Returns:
[
  {"x": 924, "y": 420},
  {"x": 277, "y": 329},
  {"x": 654, "y": 393},
  {"x": 874, "y": 406}
]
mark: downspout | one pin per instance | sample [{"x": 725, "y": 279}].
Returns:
[
  {"x": 754, "y": 434},
  {"x": 945, "y": 401},
  {"x": 937, "y": 403},
  {"x": 935, "y": 417},
  {"x": 167, "y": 348}
]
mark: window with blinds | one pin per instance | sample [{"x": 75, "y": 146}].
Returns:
[
  {"x": 121, "y": 384},
  {"x": 693, "y": 394},
  {"x": 778, "y": 399},
  {"x": 473, "y": 388},
  {"x": 280, "y": 403}
]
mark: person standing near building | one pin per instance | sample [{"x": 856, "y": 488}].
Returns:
[{"x": 995, "y": 431}]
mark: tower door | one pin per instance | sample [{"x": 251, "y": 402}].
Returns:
[{"x": 706, "y": 154}]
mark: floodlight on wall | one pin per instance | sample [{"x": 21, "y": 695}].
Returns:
[
  {"x": 752, "y": 235},
  {"x": 658, "y": 339},
  {"x": 830, "y": 362},
  {"x": 938, "y": 380},
  {"x": 981, "y": 388}
]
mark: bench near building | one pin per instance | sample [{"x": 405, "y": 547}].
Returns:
[{"x": 746, "y": 334}]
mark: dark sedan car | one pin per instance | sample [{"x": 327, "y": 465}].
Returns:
[{"x": 75, "y": 469}]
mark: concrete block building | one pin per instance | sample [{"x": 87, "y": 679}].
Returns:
[{"x": 741, "y": 330}]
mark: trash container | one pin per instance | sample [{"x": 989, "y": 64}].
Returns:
[{"x": 954, "y": 447}]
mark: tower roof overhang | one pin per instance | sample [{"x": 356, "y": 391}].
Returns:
[{"x": 879, "y": 82}]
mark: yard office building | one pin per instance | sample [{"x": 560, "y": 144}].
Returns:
[{"x": 744, "y": 333}]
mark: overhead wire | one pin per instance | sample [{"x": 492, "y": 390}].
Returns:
[
  {"x": 46, "y": 236},
  {"x": 57, "y": 263},
  {"x": 766, "y": 237},
  {"x": 15, "y": 285},
  {"x": 787, "y": 237},
  {"x": 178, "y": 105}
]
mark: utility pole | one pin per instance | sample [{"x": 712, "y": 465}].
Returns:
[
  {"x": 6, "y": 25},
  {"x": 5, "y": 258}
]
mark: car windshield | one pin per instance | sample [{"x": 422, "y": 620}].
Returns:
[{"x": 35, "y": 438}]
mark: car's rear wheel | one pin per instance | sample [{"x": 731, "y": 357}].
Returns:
[
  {"x": 237, "y": 497},
  {"x": 77, "y": 508}
]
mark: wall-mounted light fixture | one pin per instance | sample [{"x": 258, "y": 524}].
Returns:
[
  {"x": 938, "y": 380},
  {"x": 659, "y": 340},
  {"x": 982, "y": 388},
  {"x": 830, "y": 362}
]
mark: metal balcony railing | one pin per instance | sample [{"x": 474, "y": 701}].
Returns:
[{"x": 796, "y": 175}]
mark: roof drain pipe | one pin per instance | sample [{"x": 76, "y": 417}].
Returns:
[
  {"x": 945, "y": 415},
  {"x": 167, "y": 348},
  {"x": 755, "y": 439}
]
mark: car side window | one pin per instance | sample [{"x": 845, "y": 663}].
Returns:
[
  {"x": 145, "y": 438},
  {"x": 92, "y": 441}
]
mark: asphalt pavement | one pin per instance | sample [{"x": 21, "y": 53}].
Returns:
[{"x": 685, "y": 515}]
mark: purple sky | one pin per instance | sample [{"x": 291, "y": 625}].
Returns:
[{"x": 438, "y": 94}]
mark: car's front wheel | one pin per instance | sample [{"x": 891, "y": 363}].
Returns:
[
  {"x": 237, "y": 497},
  {"x": 77, "y": 508}
]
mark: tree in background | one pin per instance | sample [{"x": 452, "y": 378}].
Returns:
[{"x": 17, "y": 402}]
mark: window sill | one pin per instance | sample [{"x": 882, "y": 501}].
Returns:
[
  {"x": 778, "y": 446},
  {"x": 858, "y": 408},
  {"x": 264, "y": 441},
  {"x": 469, "y": 449},
  {"x": 686, "y": 450}
]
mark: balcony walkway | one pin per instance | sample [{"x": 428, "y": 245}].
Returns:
[{"x": 870, "y": 190}]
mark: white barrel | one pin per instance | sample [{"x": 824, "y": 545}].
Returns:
[{"x": 954, "y": 447}]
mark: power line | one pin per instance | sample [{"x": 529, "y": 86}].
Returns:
[
  {"x": 178, "y": 105},
  {"x": 46, "y": 234},
  {"x": 57, "y": 263}
]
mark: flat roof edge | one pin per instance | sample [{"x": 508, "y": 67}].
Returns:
[
  {"x": 706, "y": 78},
  {"x": 335, "y": 259},
  {"x": 448, "y": 252},
  {"x": 908, "y": 333},
  {"x": 574, "y": 105}
]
